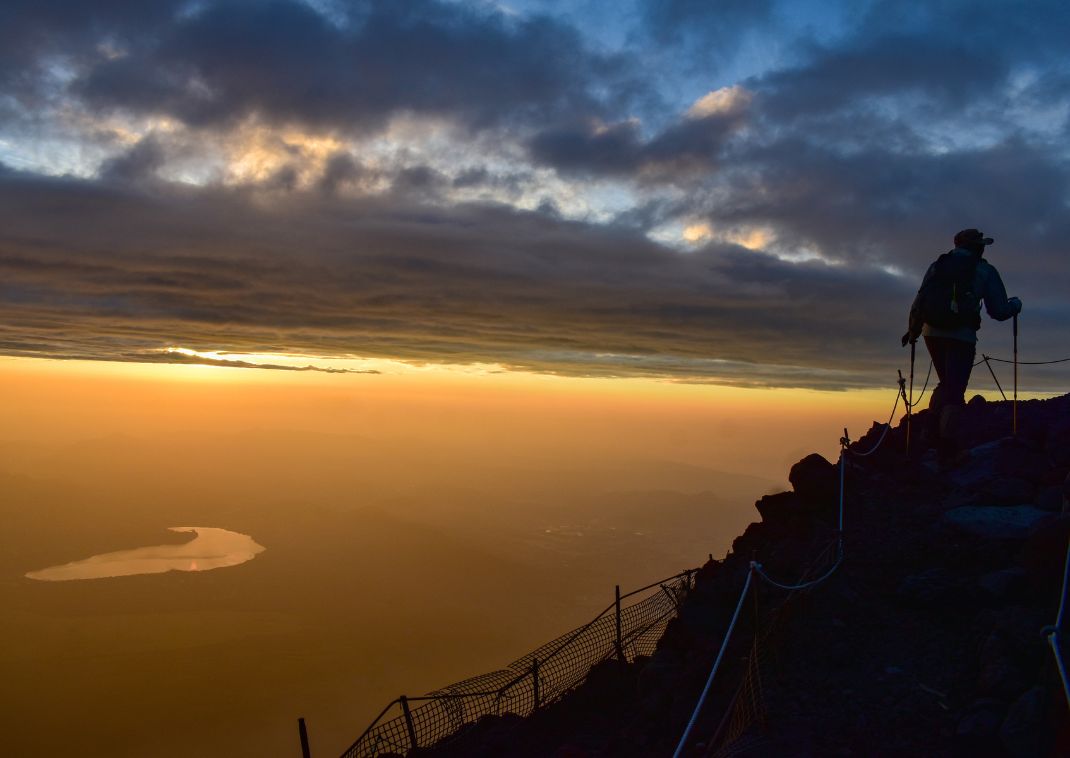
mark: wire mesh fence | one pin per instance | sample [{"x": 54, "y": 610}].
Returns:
[
  {"x": 628, "y": 628},
  {"x": 740, "y": 730}
]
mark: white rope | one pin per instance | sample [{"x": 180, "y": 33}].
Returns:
[
  {"x": 1053, "y": 642},
  {"x": 716, "y": 665},
  {"x": 844, "y": 442},
  {"x": 1054, "y": 631},
  {"x": 844, "y": 445},
  {"x": 928, "y": 374},
  {"x": 1062, "y": 600},
  {"x": 756, "y": 568},
  {"x": 884, "y": 434},
  {"x": 804, "y": 585}
]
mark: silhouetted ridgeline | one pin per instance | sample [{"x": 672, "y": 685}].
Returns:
[{"x": 926, "y": 641}]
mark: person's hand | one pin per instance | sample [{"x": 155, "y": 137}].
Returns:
[
  {"x": 908, "y": 338},
  {"x": 1015, "y": 304}
]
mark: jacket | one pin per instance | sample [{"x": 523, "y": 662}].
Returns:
[{"x": 989, "y": 288}]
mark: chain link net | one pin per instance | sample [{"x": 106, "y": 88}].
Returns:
[{"x": 563, "y": 664}]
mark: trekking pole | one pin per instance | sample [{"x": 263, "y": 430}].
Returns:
[
  {"x": 1015, "y": 403},
  {"x": 910, "y": 402}
]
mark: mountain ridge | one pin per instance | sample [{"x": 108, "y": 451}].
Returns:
[{"x": 925, "y": 641}]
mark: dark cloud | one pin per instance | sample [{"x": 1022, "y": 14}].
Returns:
[
  {"x": 285, "y": 62},
  {"x": 211, "y": 271},
  {"x": 884, "y": 205},
  {"x": 34, "y": 33},
  {"x": 341, "y": 169},
  {"x": 952, "y": 54},
  {"x": 713, "y": 31},
  {"x": 687, "y": 149},
  {"x": 139, "y": 163}
]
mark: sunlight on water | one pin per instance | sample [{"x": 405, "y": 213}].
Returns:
[{"x": 211, "y": 548}]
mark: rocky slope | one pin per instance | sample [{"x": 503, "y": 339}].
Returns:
[{"x": 926, "y": 641}]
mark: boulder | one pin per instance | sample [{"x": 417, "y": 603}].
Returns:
[
  {"x": 979, "y": 724},
  {"x": 1010, "y": 490},
  {"x": 1000, "y": 459},
  {"x": 1058, "y": 443},
  {"x": 1003, "y": 584},
  {"x": 660, "y": 671},
  {"x": 1044, "y": 553},
  {"x": 1000, "y": 677},
  {"x": 1006, "y": 522},
  {"x": 779, "y": 507},
  {"x": 1025, "y": 731},
  {"x": 815, "y": 480},
  {"x": 1050, "y": 499},
  {"x": 930, "y": 589}
]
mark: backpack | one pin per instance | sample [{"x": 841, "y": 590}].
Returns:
[{"x": 949, "y": 299}]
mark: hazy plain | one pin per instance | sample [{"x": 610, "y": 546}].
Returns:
[{"x": 418, "y": 530}]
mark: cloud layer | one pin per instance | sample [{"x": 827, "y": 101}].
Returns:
[{"x": 444, "y": 182}]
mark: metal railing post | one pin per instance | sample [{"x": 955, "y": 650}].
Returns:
[
  {"x": 535, "y": 681},
  {"x": 409, "y": 726},
  {"x": 910, "y": 402},
  {"x": 1015, "y": 404},
  {"x": 619, "y": 641},
  {"x": 303, "y": 733}
]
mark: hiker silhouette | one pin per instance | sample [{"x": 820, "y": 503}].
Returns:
[{"x": 947, "y": 313}]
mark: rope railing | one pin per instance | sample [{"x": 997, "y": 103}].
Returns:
[
  {"x": 887, "y": 427},
  {"x": 914, "y": 403},
  {"x": 756, "y": 569},
  {"x": 1029, "y": 363},
  {"x": 1054, "y": 632},
  {"x": 986, "y": 360},
  {"x": 845, "y": 442},
  {"x": 716, "y": 664},
  {"x": 621, "y": 630}
]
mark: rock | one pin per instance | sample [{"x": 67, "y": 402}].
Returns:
[
  {"x": 976, "y": 400},
  {"x": 1007, "y": 457},
  {"x": 1050, "y": 499},
  {"x": 1008, "y": 491},
  {"x": 1000, "y": 678},
  {"x": 1025, "y": 731},
  {"x": 779, "y": 507},
  {"x": 1001, "y": 584},
  {"x": 935, "y": 587},
  {"x": 1044, "y": 553},
  {"x": 1058, "y": 443},
  {"x": 979, "y": 724},
  {"x": 815, "y": 480},
  {"x": 1008, "y": 522},
  {"x": 662, "y": 668}
]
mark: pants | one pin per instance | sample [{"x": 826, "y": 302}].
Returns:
[{"x": 953, "y": 361}]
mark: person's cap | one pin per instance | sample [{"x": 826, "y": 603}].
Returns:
[{"x": 972, "y": 237}]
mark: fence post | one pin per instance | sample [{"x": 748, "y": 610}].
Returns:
[
  {"x": 303, "y": 733},
  {"x": 408, "y": 722},
  {"x": 535, "y": 680},
  {"x": 620, "y": 642},
  {"x": 1015, "y": 404}
]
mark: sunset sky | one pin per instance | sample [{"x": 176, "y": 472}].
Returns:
[{"x": 729, "y": 192}]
